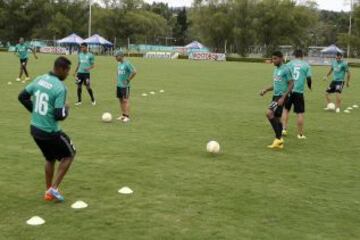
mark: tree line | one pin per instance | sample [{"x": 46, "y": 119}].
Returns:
[{"x": 236, "y": 25}]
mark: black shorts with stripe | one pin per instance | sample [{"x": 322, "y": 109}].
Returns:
[
  {"x": 123, "y": 93},
  {"x": 23, "y": 61},
  {"x": 335, "y": 87},
  {"x": 296, "y": 99},
  {"x": 55, "y": 146},
  {"x": 83, "y": 78}
]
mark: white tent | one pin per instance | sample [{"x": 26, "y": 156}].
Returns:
[
  {"x": 195, "y": 45},
  {"x": 71, "y": 39},
  {"x": 332, "y": 49}
]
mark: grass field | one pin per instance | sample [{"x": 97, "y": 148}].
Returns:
[{"x": 310, "y": 190}]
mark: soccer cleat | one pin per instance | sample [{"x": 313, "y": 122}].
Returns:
[
  {"x": 277, "y": 144},
  {"x": 78, "y": 103},
  {"x": 48, "y": 197},
  {"x": 93, "y": 103},
  {"x": 18, "y": 79},
  {"x": 284, "y": 132},
  {"x": 56, "y": 194},
  {"x": 27, "y": 79},
  {"x": 338, "y": 110},
  {"x": 126, "y": 120},
  {"x": 300, "y": 136},
  {"x": 121, "y": 118}
]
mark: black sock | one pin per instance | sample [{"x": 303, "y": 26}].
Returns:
[
  {"x": 277, "y": 127},
  {"x": 79, "y": 90},
  {"x": 125, "y": 115},
  {"x": 90, "y": 91}
]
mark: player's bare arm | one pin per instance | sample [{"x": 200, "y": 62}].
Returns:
[
  {"x": 329, "y": 73},
  {"x": 348, "y": 78},
  {"x": 265, "y": 90},
  {"x": 34, "y": 53}
]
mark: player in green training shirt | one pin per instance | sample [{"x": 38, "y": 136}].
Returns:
[
  {"x": 282, "y": 86},
  {"x": 21, "y": 50},
  {"x": 301, "y": 72},
  {"x": 45, "y": 98},
  {"x": 339, "y": 68},
  {"x": 125, "y": 73},
  {"x": 82, "y": 73}
]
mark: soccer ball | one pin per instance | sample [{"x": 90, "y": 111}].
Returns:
[
  {"x": 331, "y": 106},
  {"x": 213, "y": 147},
  {"x": 106, "y": 117}
]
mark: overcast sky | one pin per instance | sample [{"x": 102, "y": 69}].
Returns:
[{"x": 335, "y": 5}]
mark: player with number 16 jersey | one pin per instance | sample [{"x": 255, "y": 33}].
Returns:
[{"x": 45, "y": 98}]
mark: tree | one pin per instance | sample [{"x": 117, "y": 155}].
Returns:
[{"x": 181, "y": 27}]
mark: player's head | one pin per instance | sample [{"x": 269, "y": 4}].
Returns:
[
  {"x": 62, "y": 67},
  {"x": 277, "y": 58},
  {"x": 21, "y": 40},
  {"x": 298, "y": 53},
  {"x": 83, "y": 47},
  {"x": 119, "y": 55},
  {"x": 339, "y": 56}
]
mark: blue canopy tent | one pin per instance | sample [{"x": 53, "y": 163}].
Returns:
[
  {"x": 72, "y": 39},
  {"x": 331, "y": 50},
  {"x": 96, "y": 39}
]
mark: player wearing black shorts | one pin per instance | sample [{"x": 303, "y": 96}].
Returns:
[
  {"x": 45, "y": 98},
  {"x": 339, "y": 68},
  {"x": 282, "y": 85},
  {"x": 85, "y": 65},
  {"x": 21, "y": 50},
  {"x": 125, "y": 74},
  {"x": 301, "y": 73}
]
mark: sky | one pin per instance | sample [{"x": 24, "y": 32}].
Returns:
[{"x": 335, "y": 5}]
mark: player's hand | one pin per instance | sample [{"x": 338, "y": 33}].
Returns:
[
  {"x": 281, "y": 101},
  {"x": 262, "y": 92}
]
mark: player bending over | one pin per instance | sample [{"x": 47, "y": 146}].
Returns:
[
  {"x": 301, "y": 72},
  {"x": 45, "y": 98},
  {"x": 21, "y": 50},
  {"x": 86, "y": 62},
  {"x": 282, "y": 86},
  {"x": 339, "y": 68},
  {"x": 125, "y": 73}
]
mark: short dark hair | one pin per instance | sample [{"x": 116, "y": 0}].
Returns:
[
  {"x": 339, "y": 54},
  {"x": 84, "y": 44},
  {"x": 298, "y": 53},
  {"x": 278, "y": 54},
  {"x": 62, "y": 62}
]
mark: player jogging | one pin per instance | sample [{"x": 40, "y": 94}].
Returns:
[
  {"x": 45, "y": 98},
  {"x": 282, "y": 86},
  {"x": 301, "y": 72},
  {"x": 339, "y": 68},
  {"x": 21, "y": 50},
  {"x": 125, "y": 73},
  {"x": 86, "y": 62}
]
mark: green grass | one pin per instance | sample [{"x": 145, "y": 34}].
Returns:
[{"x": 310, "y": 190}]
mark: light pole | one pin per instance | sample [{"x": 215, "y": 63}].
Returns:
[
  {"x": 350, "y": 29},
  {"x": 89, "y": 30}
]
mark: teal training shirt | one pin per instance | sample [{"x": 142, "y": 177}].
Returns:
[
  {"x": 300, "y": 71},
  {"x": 281, "y": 78},
  {"x": 340, "y": 68},
  {"x": 48, "y": 93}
]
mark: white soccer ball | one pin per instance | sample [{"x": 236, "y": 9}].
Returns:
[
  {"x": 106, "y": 117},
  {"x": 331, "y": 106},
  {"x": 213, "y": 147}
]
